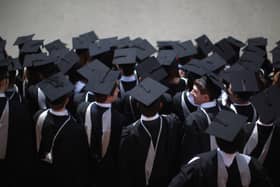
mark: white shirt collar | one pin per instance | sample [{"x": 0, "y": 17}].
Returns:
[
  {"x": 128, "y": 78},
  {"x": 209, "y": 104},
  {"x": 2, "y": 94},
  {"x": 190, "y": 98},
  {"x": 145, "y": 118},
  {"x": 79, "y": 86},
  {"x": 263, "y": 124},
  {"x": 242, "y": 104},
  {"x": 104, "y": 105},
  {"x": 227, "y": 158},
  {"x": 60, "y": 113}
]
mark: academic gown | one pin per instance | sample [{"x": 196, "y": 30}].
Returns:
[
  {"x": 177, "y": 105},
  {"x": 17, "y": 169},
  {"x": 195, "y": 140},
  {"x": 128, "y": 85},
  {"x": 272, "y": 161},
  {"x": 203, "y": 172},
  {"x": 134, "y": 147},
  {"x": 104, "y": 170},
  {"x": 33, "y": 99},
  {"x": 13, "y": 94},
  {"x": 70, "y": 153}
]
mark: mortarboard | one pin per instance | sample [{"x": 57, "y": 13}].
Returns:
[
  {"x": 55, "y": 45},
  {"x": 102, "y": 46},
  {"x": 226, "y": 125},
  {"x": 14, "y": 64},
  {"x": 32, "y": 46},
  {"x": 257, "y": 41},
  {"x": 80, "y": 43},
  {"x": 56, "y": 86},
  {"x": 67, "y": 61},
  {"x": 91, "y": 68},
  {"x": 226, "y": 51},
  {"x": 243, "y": 81},
  {"x": 195, "y": 66},
  {"x": 22, "y": 39},
  {"x": 124, "y": 43},
  {"x": 151, "y": 68},
  {"x": 36, "y": 60},
  {"x": 213, "y": 62},
  {"x": 166, "y": 45},
  {"x": 235, "y": 43},
  {"x": 143, "y": 48},
  {"x": 148, "y": 91},
  {"x": 125, "y": 56},
  {"x": 167, "y": 57},
  {"x": 89, "y": 36},
  {"x": 185, "y": 49},
  {"x": 204, "y": 45}
]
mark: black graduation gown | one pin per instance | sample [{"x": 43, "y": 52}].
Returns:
[
  {"x": 195, "y": 140},
  {"x": 32, "y": 98},
  {"x": 177, "y": 106},
  {"x": 17, "y": 169},
  {"x": 128, "y": 85},
  {"x": 272, "y": 161},
  {"x": 70, "y": 165},
  {"x": 203, "y": 172},
  {"x": 133, "y": 151},
  {"x": 246, "y": 110},
  {"x": 104, "y": 171},
  {"x": 13, "y": 94}
]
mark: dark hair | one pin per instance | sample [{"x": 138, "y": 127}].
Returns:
[
  {"x": 128, "y": 69},
  {"x": 206, "y": 86},
  {"x": 150, "y": 110},
  {"x": 101, "y": 97},
  {"x": 243, "y": 96},
  {"x": 60, "y": 102}
]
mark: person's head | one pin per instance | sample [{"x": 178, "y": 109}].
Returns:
[
  {"x": 204, "y": 90},
  {"x": 4, "y": 76},
  {"x": 150, "y": 110},
  {"x": 112, "y": 97},
  {"x": 127, "y": 69},
  {"x": 59, "y": 103},
  {"x": 234, "y": 146},
  {"x": 238, "y": 97}
]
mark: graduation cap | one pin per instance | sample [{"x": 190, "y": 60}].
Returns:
[
  {"x": 235, "y": 43},
  {"x": 56, "y": 86},
  {"x": 14, "y": 64},
  {"x": 226, "y": 51},
  {"x": 67, "y": 61},
  {"x": 80, "y": 43},
  {"x": 59, "y": 53},
  {"x": 185, "y": 49},
  {"x": 263, "y": 102},
  {"x": 88, "y": 70},
  {"x": 243, "y": 81},
  {"x": 2, "y": 44},
  {"x": 36, "y": 60},
  {"x": 167, "y": 58},
  {"x": 166, "y": 45},
  {"x": 90, "y": 36},
  {"x": 32, "y": 46},
  {"x": 148, "y": 91},
  {"x": 102, "y": 46},
  {"x": 143, "y": 48},
  {"x": 204, "y": 45},
  {"x": 258, "y": 42},
  {"x": 124, "y": 43},
  {"x": 226, "y": 125},
  {"x": 256, "y": 50},
  {"x": 151, "y": 68},
  {"x": 22, "y": 39},
  {"x": 213, "y": 62},
  {"x": 103, "y": 82},
  {"x": 125, "y": 56},
  {"x": 55, "y": 45},
  {"x": 195, "y": 66}
]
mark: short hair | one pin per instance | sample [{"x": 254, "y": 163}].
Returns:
[{"x": 206, "y": 86}]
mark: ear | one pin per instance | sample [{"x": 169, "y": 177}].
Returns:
[{"x": 206, "y": 97}]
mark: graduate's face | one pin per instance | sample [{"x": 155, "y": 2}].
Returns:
[{"x": 199, "y": 98}]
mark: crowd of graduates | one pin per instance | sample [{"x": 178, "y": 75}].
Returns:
[{"x": 122, "y": 112}]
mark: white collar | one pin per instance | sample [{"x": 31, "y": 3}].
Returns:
[
  {"x": 130, "y": 78},
  {"x": 263, "y": 124},
  {"x": 60, "y": 113},
  {"x": 79, "y": 86},
  {"x": 209, "y": 104},
  {"x": 104, "y": 105},
  {"x": 227, "y": 158},
  {"x": 190, "y": 98},
  {"x": 243, "y": 104},
  {"x": 145, "y": 118},
  {"x": 2, "y": 94}
]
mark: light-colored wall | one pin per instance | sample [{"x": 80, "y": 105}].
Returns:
[{"x": 151, "y": 19}]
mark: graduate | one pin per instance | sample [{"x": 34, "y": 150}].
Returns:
[
  {"x": 206, "y": 91},
  {"x": 224, "y": 166},
  {"x": 150, "y": 147},
  {"x": 62, "y": 145},
  {"x": 17, "y": 138},
  {"x": 103, "y": 124},
  {"x": 263, "y": 140}
]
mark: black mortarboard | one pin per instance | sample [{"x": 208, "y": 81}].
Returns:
[
  {"x": 32, "y": 46},
  {"x": 80, "y": 43},
  {"x": 143, "y": 48},
  {"x": 36, "y": 60},
  {"x": 151, "y": 68},
  {"x": 59, "y": 53},
  {"x": 103, "y": 82},
  {"x": 56, "y": 86},
  {"x": 195, "y": 66},
  {"x": 204, "y": 45},
  {"x": 2, "y": 44},
  {"x": 102, "y": 46},
  {"x": 257, "y": 41},
  {"x": 276, "y": 59},
  {"x": 226, "y": 51},
  {"x": 22, "y": 39},
  {"x": 89, "y": 36},
  {"x": 235, "y": 43},
  {"x": 166, "y": 45},
  {"x": 226, "y": 125},
  {"x": 213, "y": 62},
  {"x": 185, "y": 49},
  {"x": 258, "y": 51},
  {"x": 14, "y": 64},
  {"x": 148, "y": 91},
  {"x": 243, "y": 81},
  {"x": 167, "y": 57},
  {"x": 251, "y": 61},
  {"x": 66, "y": 62},
  {"x": 88, "y": 70},
  {"x": 55, "y": 45},
  {"x": 124, "y": 43},
  {"x": 125, "y": 56}
]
